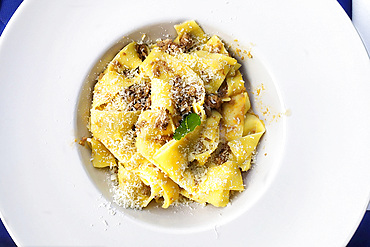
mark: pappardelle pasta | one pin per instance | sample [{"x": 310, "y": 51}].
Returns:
[{"x": 173, "y": 120}]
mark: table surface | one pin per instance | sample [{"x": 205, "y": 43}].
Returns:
[{"x": 361, "y": 236}]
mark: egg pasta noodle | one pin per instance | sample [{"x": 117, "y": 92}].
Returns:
[{"x": 146, "y": 92}]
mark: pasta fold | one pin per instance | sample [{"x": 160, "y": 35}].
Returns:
[
  {"x": 211, "y": 67},
  {"x": 192, "y": 28},
  {"x": 233, "y": 116},
  {"x": 101, "y": 157},
  {"x": 244, "y": 147}
]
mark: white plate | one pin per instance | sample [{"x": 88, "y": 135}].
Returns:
[{"x": 310, "y": 189}]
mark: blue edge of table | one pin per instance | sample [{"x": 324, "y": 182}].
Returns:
[{"x": 359, "y": 239}]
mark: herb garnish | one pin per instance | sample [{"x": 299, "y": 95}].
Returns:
[{"x": 187, "y": 125}]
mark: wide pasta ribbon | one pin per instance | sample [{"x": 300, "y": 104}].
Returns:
[
  {"x": 217, "y": 183},
  {"x": 244, "y": 147}
]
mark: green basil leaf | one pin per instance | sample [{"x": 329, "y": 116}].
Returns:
[{"x": 187, "y": 125}]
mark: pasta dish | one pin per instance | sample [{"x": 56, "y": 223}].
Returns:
[{"x": 172, "y": 120}]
